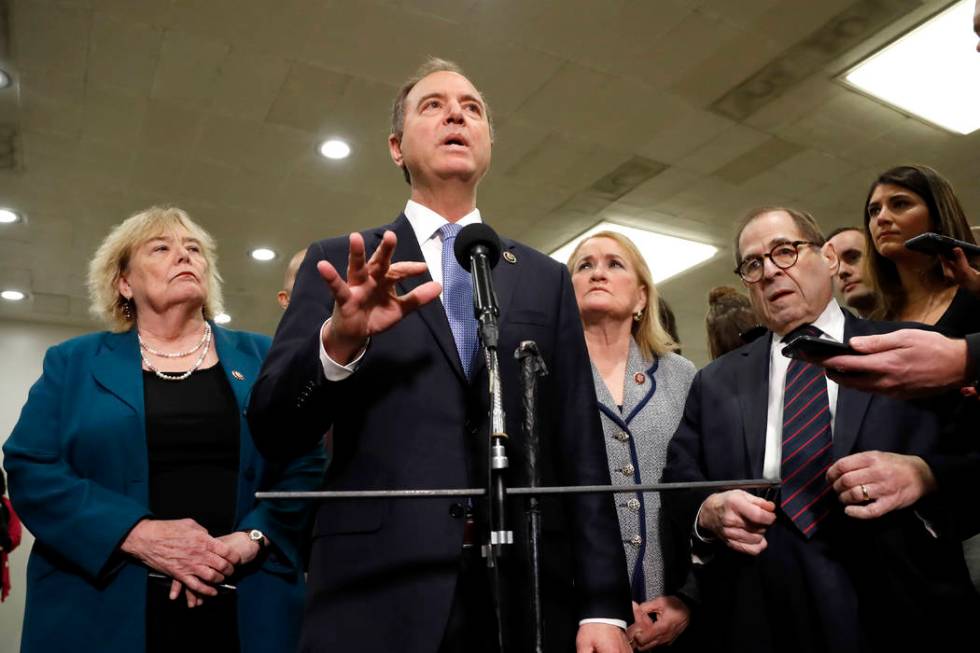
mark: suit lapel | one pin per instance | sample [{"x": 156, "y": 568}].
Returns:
[
  {"x": 433, "y": 313},
  {"x": 851, "y": 405},
  {"x": 117, "y": 369},
  {"x": 753, "y": 396}
]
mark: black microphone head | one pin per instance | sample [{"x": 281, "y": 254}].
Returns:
[{"x": 477, "y": 234}]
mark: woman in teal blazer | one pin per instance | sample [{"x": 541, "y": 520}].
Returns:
[{"x": 93, "y": 478}]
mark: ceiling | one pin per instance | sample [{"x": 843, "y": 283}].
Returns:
[{"x": 676, "y": 114}]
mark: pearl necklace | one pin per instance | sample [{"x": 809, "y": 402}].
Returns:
[
  {"x": 179, "y": 354},
  {"x": 169, "y": 376}
]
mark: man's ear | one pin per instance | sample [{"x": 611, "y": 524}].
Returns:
[
  {"x": 830, "y": 256},
  {"x": 395, "y": 149}
]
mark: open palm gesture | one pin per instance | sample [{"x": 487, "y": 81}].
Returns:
[{"x": 367, "y": 304}]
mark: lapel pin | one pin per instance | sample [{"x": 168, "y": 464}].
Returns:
[
  {"x": 639, "y": 378},
  {"x": 509, "y": 257},
  {"x": 238, "y": 375}
]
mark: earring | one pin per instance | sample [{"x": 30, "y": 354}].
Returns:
[
  {"x": 637, "y": 316},
  {"x": 127, "y": 308}
]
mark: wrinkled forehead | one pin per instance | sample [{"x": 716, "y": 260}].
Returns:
[
  {"x": 767, "y": 230},
  {"x": 850, "y": 239},
  {"x": 444, "y": 83}
]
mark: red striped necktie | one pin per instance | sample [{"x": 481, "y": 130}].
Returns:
[{"x": 806, "y": 497}]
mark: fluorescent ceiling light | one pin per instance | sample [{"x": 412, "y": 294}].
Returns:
[
  {"x": 12, "y": 295},
  {"x": 8, "y": 217},
  {"x": 222, "y": 318},
  {"x": 932, "y": 72},
  {"x": 335, "y": 149},
  {"x": 667, "y": 256},
  {"x": 262, "y": 254}
]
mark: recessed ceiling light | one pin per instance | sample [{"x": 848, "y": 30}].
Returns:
[
  {"x": 666, "y": 256},
  {"x": 7, "y": 216},
  {"x": 12, "y": 295},
  {"x": 222, "y": 318},
  {"x": 4, "y": 79},
  {"x": 335, "y": 149},
  {"x": 262, "y": 254},
  {"x": 931, "y": 72}
]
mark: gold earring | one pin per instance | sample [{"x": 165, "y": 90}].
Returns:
[{"x": 637, "y": 316}]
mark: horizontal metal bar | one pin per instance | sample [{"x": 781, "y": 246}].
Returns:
[{"x": 525, "y": 491}]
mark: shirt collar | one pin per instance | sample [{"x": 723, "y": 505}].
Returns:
[
  {"x": 426, "y": 222},
  {"x": 830, "y": 322}
]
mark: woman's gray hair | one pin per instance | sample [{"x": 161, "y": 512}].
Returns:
[{"x": 112, "y": 259}]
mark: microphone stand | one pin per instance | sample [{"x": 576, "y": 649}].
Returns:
[
  {"x": 532, "y": 366},
  {"x": 486, "y": 311}
]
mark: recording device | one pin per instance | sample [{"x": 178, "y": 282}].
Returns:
[
  {"x": 477, "y": 249},
  {"x": 939, "y": 245},
  {"x": 807, "y": 348}
]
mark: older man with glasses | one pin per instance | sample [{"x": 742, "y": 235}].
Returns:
[{"x": 866, "y": 525}]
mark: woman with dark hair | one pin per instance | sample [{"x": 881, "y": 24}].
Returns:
[
  {"x": 731, "y": 322},
  {"x": 904, "y": 202}
]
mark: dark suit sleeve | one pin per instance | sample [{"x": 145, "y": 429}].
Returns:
[
  {"x": 291, "y": 405},
  {"x": 598, "y": 552}
]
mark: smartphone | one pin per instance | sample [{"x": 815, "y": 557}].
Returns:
[
  {"x": 814, "y": 348},
  {"x": 936, "y": 244}
]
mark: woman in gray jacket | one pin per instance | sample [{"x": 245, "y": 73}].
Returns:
[{"x": 641, "y": 387}]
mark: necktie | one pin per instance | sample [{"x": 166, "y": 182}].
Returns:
[
  {"x": 457, "y": 297},
  {"x": 806, "y": 497}
]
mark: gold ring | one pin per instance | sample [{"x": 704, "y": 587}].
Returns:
[{"x": 864, "y": 491}]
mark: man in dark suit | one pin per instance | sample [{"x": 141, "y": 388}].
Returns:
[
  {"x": 860, "y": 548},
  {"x": 398, "y": 376}
]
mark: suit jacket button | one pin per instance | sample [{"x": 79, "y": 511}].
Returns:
[
  {"x": 636, "y": 541},
  {"x": 456, "y": 511},
  {"x": 622, "y": 436},
  {"x": 633, "y": 504}
]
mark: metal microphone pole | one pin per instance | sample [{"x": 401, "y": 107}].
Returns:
[{"x": 532, "y": 366}]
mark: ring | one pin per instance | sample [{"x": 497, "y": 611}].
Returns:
[{"x": 864, "y": 491}]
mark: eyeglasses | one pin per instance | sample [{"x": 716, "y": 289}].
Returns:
[{"x": 783, "y": 256}]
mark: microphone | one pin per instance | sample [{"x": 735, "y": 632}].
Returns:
[{"x": 477, "y": 249}]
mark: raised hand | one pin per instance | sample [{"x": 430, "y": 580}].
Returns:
[{"x": 366, "y": 303}]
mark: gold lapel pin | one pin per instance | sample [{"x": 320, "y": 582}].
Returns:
[
  {"x": 238, "y": 375},
  {"x": 509, "y": 257}
]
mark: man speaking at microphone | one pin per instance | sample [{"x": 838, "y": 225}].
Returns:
[{"x": 380, "y": 343}]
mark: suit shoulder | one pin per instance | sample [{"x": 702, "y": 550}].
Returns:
[
  {"x": 85, "y": 343},
  {"x": 675, "y": 362},
  {"x": 258, "y": 341},
  {"x": 529, "y": 255}
]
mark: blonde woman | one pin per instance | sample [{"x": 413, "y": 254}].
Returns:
[
  {"x": 641, "y": 387},
  {"x": 133, "y": 466}
]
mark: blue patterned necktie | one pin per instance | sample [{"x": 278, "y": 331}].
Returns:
[
  {"x": 806, "y": 496},
  {"x": 457, "y": 297}
]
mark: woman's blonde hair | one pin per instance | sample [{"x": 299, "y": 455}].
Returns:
[
  {"x": 112, "y": 259},
  {"x": 649, "y": 333}
]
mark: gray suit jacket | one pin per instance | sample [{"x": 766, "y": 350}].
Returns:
[{"x": 636, "y": 439}]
